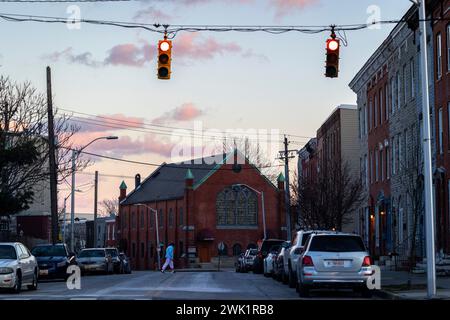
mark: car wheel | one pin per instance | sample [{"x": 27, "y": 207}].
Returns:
[
  {"x": 291, "y": 279},
  {"x": 366, "y": 293},
  {"x": 303, "y": 290},
  {"x": 34, "y": 285},
  {"x": 18, "y": 284}
]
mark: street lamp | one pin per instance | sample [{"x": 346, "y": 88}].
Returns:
[
  {"x": 65, "y": 213},
  {"x": 158, "y": 248},
  {"x": 262, "y": 200},
  {"x": 75, "y": 154}
]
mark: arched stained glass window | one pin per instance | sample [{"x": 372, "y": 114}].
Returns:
[{"x": 237, "y": 207}]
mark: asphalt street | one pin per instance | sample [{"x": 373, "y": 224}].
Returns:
[{"x": 147, "y": 285}]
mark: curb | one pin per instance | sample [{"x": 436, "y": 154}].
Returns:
[{"x": 388, "y": 295}]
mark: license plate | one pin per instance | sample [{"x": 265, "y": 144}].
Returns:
[
  {"x": 336, "y": 263},
  {"x": 43, "y": 272}
]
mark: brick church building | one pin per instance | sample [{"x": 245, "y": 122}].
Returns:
[{"x": 199, "y": 204}]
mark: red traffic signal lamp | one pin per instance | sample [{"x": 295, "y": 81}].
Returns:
[
  {"x": 164, "y": 59},
  {"x": 332, "y": 63}
]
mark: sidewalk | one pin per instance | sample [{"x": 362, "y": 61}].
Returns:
[{"x": 394, "y": 285}]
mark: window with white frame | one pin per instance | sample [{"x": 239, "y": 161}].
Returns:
[
  {"x": 405, "y": 153},
  {"x": 388, "y": 163},
  {"x": 439, "y": 56},
  {"x": 400, "y": 152},
  {"x": 382, "y": 106},
  {"x": 386, "y": 103},
  {"x": 412, "y": 78},
  {"x": 405, "y": 85},
  {"x": 370, "y": 114},
  {"x": 393, "y": 97},
  {"x": 366, "y": 169},
  {"x": 441, "y": 131},
  {"x": 382, "y": 164},
  {"x": 399, "y": 90},
  {"x": 448, "y": 47},
  {"x": 375, "y": 105},
  {"x": 393, "y": 154},
  {"x": 365, "y": 119},
  {"x": 377, "y": 164}
]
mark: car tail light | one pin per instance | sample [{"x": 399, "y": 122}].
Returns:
[
  {"x": 307, "y": 261},
  {"x": 367, "y": 262}
]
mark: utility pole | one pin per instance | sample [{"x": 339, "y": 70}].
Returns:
[
  {"x": 72, "y": 203},
  {"x": 95, "y": 209},
  {"x": 286, "y": 155},
  {"x": 429, "y": 207},
  {"x": 52, "y": 160}
]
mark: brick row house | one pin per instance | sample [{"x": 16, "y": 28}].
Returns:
[
  {"x": 334, "y": 145},
  {"x": 200, "y": 203},
  {"x": 389, "y": 103},
  {"x": 441, "y": 39}
]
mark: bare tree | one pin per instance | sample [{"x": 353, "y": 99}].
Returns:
[
  {"x": 109, "y": 206},
  {"x": 24, "y": 151},
  {"x": 254, "y": 153},
  {"x": 411, "y": 179},
  {"x": 328, "y": 201}
]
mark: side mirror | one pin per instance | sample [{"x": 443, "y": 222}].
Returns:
[{"x": 23, "y": 256}]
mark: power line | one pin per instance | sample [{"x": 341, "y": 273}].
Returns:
[
  {"x": 184, "y": 166},
  {"x": 172, "y": 30},
  {"x": 161, "y": 129}
]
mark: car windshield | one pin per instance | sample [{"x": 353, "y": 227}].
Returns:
[
  {"x": 275, "y": 248},
  {"x": 112, "y": 252},
  {"x": 305, "y": 237},
  {"x": 252, "y": 252},
  {"x": 337, "y": 244},
  {"x": 49, "y": 251},
  {"x": 92, "y": 254},
  {"x": 7, "y": 252},
  {"x": 268, "y": 244}
]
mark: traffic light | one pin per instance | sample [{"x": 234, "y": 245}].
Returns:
[
  {"x": 332, "y": 63},
  {"x": 164, "y": 59}
]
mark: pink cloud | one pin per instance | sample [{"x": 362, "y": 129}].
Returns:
[
  {"x": 185, "y": 47},
  {"x": 285, "y": 7},
  {"x": 130, "y": 55},
  {"x": 151, "y": 14},
  {"x": 185, "y": 112}
]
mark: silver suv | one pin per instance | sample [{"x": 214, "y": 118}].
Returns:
[
  {"x": 334, "y": 260},
  {"x": 292, "y": 255}
]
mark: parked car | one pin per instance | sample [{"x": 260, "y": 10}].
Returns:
[
  {"x": 263, "y": 251},
  {"x": 53, "y": 260},
  {"x": 292, "y": 255},
  {"x": 126, "y": 264},
  {"x": 95, "y": 260},
  {"x": 239, "y": 264},
  {"x": 336, "y": 261},
  {"x": 269, "y": 261},
  {"x": 279, "y": 271},
  {"x": 18, "y": 267},
  {"x": 249, "y": 258},
  {"x": 117, "y": 263}
]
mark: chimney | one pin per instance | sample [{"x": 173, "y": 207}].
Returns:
[
  {"x": 137, "y": 180},
  {"x": 189, "y": 179},
  {"x": 281, "y": 181},
  {"x": 123, "y": 191}
]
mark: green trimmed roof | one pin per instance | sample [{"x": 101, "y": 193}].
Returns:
[
  {"x": 123, "y": 185},
  {"x": 281, "y": 178},
  {"x": 189, "y": 175}
]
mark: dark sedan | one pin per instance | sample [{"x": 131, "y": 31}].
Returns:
[{"x": 53, "y": 260}]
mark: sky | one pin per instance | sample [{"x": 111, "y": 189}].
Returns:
[{"x": 222, "y": 81}]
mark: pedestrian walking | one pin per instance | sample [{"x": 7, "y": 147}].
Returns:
[{"x": 169, "y": 258}]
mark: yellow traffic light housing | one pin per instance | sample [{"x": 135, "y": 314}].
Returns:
[{"x": 164, "y": 59}]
